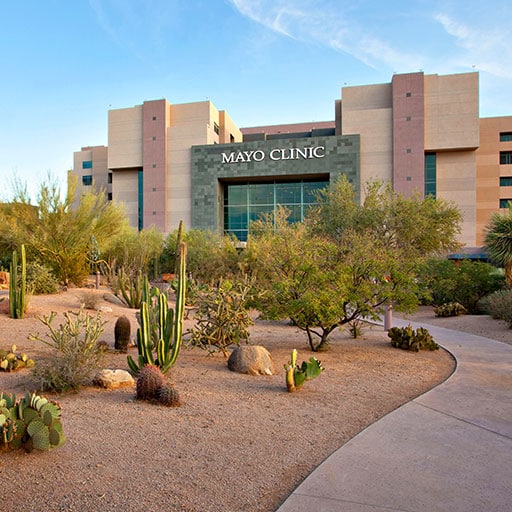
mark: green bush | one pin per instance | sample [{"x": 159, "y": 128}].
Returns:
[
  {"x": 41, "y": 280},
  {"x": 499, "y": 305},
  {"x": 407, "y": 338},
  {"x": 466, "y": 282},
  {"x": 450, "y": 309},
  {"x": 78, "y": 356},
  {"x": 210, "y": 257}
]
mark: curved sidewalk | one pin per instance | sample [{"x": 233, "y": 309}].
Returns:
[{"x": 450, "y": 449}]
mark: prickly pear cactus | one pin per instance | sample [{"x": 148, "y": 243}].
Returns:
[
  {"x": 10, "y": 360},
  {"x": 168, "y": 395},
  {"x": 32, "y": 423},
  {"x": 122, "y": 331},
  {"x": 149, "y": 380}
]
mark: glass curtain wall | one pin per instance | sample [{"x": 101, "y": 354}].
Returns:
[{"x": 247, "y": 202}]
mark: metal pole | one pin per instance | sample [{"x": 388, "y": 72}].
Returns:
[{"x": 388, "y": 317}]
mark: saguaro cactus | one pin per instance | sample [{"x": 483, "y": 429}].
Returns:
[
  {"x": 169, "y": 327},
  {"x": 17, "y": 290}
]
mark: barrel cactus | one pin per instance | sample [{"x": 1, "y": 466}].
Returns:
[
  {"x": 168, "y": 395},
  {"x": 149, "y": 380},
  {"x": 122, "y": 331}
]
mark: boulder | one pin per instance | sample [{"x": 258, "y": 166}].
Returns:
[
  {"x": 113, "y": 379},
  {"x": 251, "y": 359}
]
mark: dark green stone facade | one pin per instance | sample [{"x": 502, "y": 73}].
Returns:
[{"x": 263, "y": 161}]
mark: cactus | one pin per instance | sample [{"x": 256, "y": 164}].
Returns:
[
  {"x": 17, "y": 290},
  {"x": 168, "y": 395},
  {"x": 169, "y": 326},
  {"x": 296, "y": 376},
  {"x": 149, "y": 380},
  {"x": 131, "y": 288},
  {"x": 10, "y": 361},
  {"x": 33, "y": 423},
  {"x": 122, "y": 330},
  {"x": 407, "y": 338},
  {"x": 450, "y": 309}
]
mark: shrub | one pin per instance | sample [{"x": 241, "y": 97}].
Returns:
[
  {"x": 499, "y": 305},
  {"x": 89, "y": 299},
  {"x": 465, "y": 282},
  {"x": 41, "y": 280},
  {"x": 222, "y": 317},
  {"x": 407, "y": 338},
  {"x": 450, "y": 309},
  {"x": 78, "y": 355}
]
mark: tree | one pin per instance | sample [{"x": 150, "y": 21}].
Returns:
[
  {"x": 132, "y": 251},
  {"x": 58, "y": 235},
  {"x": 346, "y": 261},
  {"x": 210, "y": 257},
  {"x": 498, "y": 241}
]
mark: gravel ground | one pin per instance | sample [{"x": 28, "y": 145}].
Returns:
[{"x": 237, "y": 443}]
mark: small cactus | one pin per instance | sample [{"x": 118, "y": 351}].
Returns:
[
  {"x": 149, "y": 380},
  {"x": 168, "y": 396},
  {"x": 122, "y": 331}
]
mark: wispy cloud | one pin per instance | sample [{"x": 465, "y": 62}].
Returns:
[
  {"x": 349, "y": 28},
  {"x": 486, "y": 47},
  {"x": 324, "y": 22}
]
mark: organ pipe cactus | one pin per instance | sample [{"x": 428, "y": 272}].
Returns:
[
  {"x": 296, "y": 376},
  {"x": 17, "y": 287},
  {"x": 168, "y": 324}
]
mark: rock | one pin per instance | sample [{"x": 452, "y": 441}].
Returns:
[
  {"x": 110, "y": 297},
  {"x": 113, "y": 379},
  {"x": 251, "y": 359},
  {"x": 104, "y": 309}
]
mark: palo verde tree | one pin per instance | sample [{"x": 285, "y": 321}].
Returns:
[
  {"x": 347, "y": 260},
  {"x": 57, "y": 232},
  {"x": 498, "y": 241}
]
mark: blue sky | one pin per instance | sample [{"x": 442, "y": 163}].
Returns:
[{"x": 64, "y": 64}]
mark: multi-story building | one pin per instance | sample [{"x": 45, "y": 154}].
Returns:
[{"x": 190, "y": 162}]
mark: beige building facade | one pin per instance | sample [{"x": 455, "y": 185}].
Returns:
[{"x": 420, "y": 132}]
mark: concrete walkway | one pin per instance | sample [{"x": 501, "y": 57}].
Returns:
[{"x": 448, "y": 450}]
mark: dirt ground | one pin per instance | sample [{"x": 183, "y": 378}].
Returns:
[{"x": 237, "y": 443}]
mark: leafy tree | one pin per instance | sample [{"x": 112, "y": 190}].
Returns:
[
  {"x": 132, "y": 251},
  {"x": 210, "y": 257},
  {"x": 58, "y": 234},
  {"x": 498, "y": 241},
  {"x": 346, "y": 261}
]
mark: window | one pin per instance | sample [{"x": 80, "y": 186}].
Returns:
[
  {"x": 430, "y": 174},
  {"x": 408, "y": 118},
  {"x": 87, "y": 180},
  {"x": 505, "y": 136},
  {"x": 505, "y": 157},
  {"x": 246, "y": 202},
  {"x": 87, "y": 164},
  {"x": 154, "y": 118},
  {"x": 408, "y": 150},
  {"x": 109, "y": 196},
  {"x": 216, "y": 128},
  {"x": 505, "y": 202},
  {"x": 109, "y": 177},
  {"x": 231, "y": 138},
  {"x": 506, "y": 181},
  {"x": 153, "y": 138}
]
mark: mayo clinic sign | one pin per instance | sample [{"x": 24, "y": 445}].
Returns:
[{"x": 235, "y": 157}]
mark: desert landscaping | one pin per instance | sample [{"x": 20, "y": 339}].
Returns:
[{"x": 237, "y": 443}]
